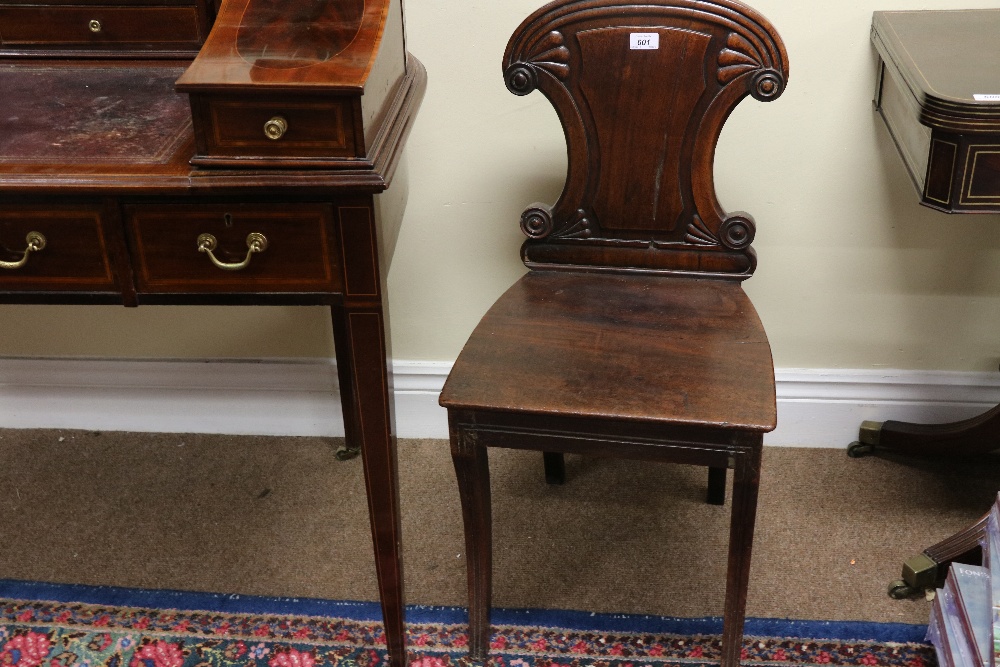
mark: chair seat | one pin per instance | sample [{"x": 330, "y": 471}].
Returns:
[{"x": 632, "y": 347}]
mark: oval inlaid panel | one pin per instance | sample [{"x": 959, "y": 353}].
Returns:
[{"x": 283, "y": 34}]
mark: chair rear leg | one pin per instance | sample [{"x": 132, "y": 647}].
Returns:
[
  {"x": 555, "y": 467},
  {"x": 716, "y": 486}
]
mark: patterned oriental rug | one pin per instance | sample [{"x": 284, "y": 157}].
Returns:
[{"x": 49, "y": 625}]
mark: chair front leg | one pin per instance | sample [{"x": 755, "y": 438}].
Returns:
[
  {"x": 473, "y": 472},
  {"x": 746, "y": 481}
]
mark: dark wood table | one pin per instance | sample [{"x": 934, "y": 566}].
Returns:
[
  {"x": 939, "y": 94},
  {"x": 267, "y": 187}
]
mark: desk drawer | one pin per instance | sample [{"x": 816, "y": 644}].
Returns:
[
  {"x": 100, "y": 26},
  {"x": 68, "y": 249},
  {"x": 263, "y": 127},
  {"x": 181, "y": 248}
]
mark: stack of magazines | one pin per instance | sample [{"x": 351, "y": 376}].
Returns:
[{"x": 964, "y": 614}]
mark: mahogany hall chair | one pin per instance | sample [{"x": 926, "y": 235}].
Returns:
[{"x": 630, "y": 336}]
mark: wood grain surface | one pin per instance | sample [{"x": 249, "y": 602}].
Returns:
[{"x": 664, "y": 349}]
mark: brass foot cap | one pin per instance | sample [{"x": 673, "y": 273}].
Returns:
[
  {"x": 869, "y": 432},
  {"x": 920, "y": 571}
]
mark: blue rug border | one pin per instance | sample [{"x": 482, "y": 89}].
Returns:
[{"x": 371, "y": 611}]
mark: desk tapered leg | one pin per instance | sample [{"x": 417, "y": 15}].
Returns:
[
  {"x": 345, "y": 376},
  {"x": 473, "y": 473},
  {"x": 363, "y": 348},
  {"x": 746, "y": 481}
]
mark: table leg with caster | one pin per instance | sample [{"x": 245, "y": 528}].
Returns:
[
  {"x": 968, "y": 437},
  {"x": 978, "y": 435},
  {"x": 928, "y": 569}
]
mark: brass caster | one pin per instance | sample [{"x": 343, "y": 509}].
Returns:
[
  {"x": 858, "y": 450},
  {"x": 346, "y": 453},
  {"x": 900, "y": 590},
  {"x": 920, "y": 572}
]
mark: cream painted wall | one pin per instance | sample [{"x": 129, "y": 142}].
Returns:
[{"x": 853, "y": 272}]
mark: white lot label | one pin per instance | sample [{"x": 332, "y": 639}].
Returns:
[
  {"x": 979, "y": 97},
  {"x": 644, "y": 40}
]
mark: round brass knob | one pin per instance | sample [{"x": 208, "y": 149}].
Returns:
[
  {"x": 275, "y": 128},
  {"x": 94, "y": 25}
]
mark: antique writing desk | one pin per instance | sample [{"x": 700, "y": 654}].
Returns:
[
  {"x": 938, "y": 92},
  {"x": 238, "y": 152}
]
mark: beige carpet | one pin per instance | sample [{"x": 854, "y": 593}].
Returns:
[{"x": 281, "y": 516}]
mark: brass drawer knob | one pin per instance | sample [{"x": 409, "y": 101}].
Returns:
[
  {"x": 256, "y": 242},
  {"x": 36, "y": 241},
  {"x": 275, "y": 128},
  {"x": 94, "y": 25}
]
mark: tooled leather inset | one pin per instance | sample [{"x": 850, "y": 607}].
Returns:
[{"x": 98, "y": 115}]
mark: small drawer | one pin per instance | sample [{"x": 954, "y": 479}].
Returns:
[
  {"x": 101, "y": 27},
  {"x": 251, "y": 127},
  {"x": 53, "y": 249},
  {"x": 246, "y": 248}
]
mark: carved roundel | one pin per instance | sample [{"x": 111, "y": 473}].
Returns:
[
  {"x": 737, "y": 232},
  {"x": 520, "y": 79},
  {"x": 767, "y": 84},
  {"x": 536, "y": 223}
]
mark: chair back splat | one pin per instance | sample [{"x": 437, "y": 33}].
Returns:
[{"x": 642, "y": 91}]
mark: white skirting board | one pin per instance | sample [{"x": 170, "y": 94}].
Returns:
[{"x": 816, "y": 408}]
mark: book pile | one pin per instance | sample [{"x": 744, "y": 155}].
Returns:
[{"x": 964, "y": 615}]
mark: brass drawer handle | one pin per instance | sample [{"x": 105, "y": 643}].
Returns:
[
  {"x": 275, "y": 128},
  {"x": 36, "y": 241},
  {"x": 256, "y": 242},
  {"x": 94, "y": 25}
]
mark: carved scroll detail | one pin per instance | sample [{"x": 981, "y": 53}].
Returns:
[
  {"x": 536, "y": 221},
  {"x": 579, "y": 227},
  {"x": 699, "y": 234},
  {"x": 548, "y": 53},
  {"x": 737, "y": 231},
  {"x": 767, "y": 84},
  {"x": 740, "y": 57},
  {"x": 520, "y": 79}
]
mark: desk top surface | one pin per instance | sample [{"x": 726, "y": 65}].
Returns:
[
  {"x": 94, "y": 117},
  {"x": 115, "y": 127}
]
